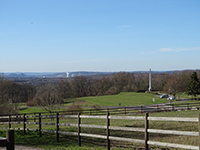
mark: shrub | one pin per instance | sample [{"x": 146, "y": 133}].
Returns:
[
  {"x": 74, "y": 109},
  {"x": 30, "y": 103},
  {"x": 141, "y": 91},
  {"x": 7, "y": 110},
  {"x": 96, "y": 106}
]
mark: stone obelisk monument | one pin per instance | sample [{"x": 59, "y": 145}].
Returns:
[{"x": 150, "y": 89}]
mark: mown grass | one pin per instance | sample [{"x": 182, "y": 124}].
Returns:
[
  {"x": 27, "y": 110},
  {"x": 185, "y": 102},
  {"x": 124, "y": 98},
  {"x": 184, "y": 95}
]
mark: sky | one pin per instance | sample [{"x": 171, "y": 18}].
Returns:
[{"x": 99, "y": 35}]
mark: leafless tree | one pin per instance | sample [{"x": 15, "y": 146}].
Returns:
[
  {"x": 79, "y": 86},
  {"x": 65, "y": 89},
  {"x": 172, "y": 85},
  {"x": 141, "y": 81},
  {"x": 48, "y": 97},
  {"x": 103, "y": 85},
  {"x": 5, "y": 106}
]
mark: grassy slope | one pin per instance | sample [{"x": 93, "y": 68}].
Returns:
[
  {"x": 31, "y": 110},
  {"x": 125, "y": 98}
]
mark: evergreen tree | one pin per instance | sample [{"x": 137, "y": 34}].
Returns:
[{"x": 193, "y": 87}]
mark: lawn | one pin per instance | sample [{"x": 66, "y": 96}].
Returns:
[
  {"x": 26, "y": 110},
  {"x": 184, "y": 95},
  {"x": 124, "y": 98}
]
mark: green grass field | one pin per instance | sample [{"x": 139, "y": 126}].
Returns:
[
  {"x": 184, "y": 95},
  {"x": 27, "y": 110},
  {"x": 125, "y": 98}
]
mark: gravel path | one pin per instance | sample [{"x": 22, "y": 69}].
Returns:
[{"x": 19, "y": 147}]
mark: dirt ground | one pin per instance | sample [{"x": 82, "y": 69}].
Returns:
[{"x": 19, "y": 147}]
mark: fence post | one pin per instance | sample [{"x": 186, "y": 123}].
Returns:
[
  {"x": 79, "y": 129},
  {"x": 10, "y": 137},
  {"x": 199, "y": 131},
  {"x": 34, "y": 117},
  {"x": 108, "y": 110},
  {"x": 125, "y": 110},
  {"x": 16, "y": 117},
  {"x": 24, "y": 123},
  {"x": 146, "y": 131},
  {"x": 108, "y": 130},
  {"x": 9, "y": 121},
  {"x": 57, "y": 127},
  {"x": 40, "y": 125}
]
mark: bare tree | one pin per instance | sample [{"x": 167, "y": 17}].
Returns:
[
  {"x": 48, "y": 97},
  {"x": 103, "y": 85},
  {"x": 5, "y": 106},
  {"x": 79, "y": 86},
  {"x": 172, "y": 85},
  {"x": 141, "y": 81},
  {"x": 65, "y": 89}
]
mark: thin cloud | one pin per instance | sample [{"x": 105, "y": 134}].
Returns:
[{"x": 179, "y": 49}]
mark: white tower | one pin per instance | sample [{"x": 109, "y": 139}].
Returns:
[
  {"x": 150, "y": 80},
  {"x": 67, "y": 74}
]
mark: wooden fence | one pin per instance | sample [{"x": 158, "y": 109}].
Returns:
[
  {"x": 36, "y": 120},
  {"x": 139, "y": 109}
]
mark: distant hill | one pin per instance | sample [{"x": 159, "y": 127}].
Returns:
[
  {"x": 52, "y": 74},
  {"x": 67, "y": 74}
]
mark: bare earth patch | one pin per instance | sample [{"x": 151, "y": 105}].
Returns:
[{"x": 20, "y": 147}]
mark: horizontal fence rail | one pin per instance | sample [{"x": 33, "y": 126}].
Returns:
[{"x": 36, "y": 119}]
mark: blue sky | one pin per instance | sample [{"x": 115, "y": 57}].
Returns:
[{"x": 99, "y": 35}]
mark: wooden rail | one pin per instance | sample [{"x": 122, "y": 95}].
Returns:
[{"x": 26, "y": 119}]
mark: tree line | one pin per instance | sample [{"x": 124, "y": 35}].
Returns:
[{"x": 49, "y": 95}]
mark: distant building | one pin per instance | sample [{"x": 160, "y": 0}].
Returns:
[{"x": 67, "y": 74}]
